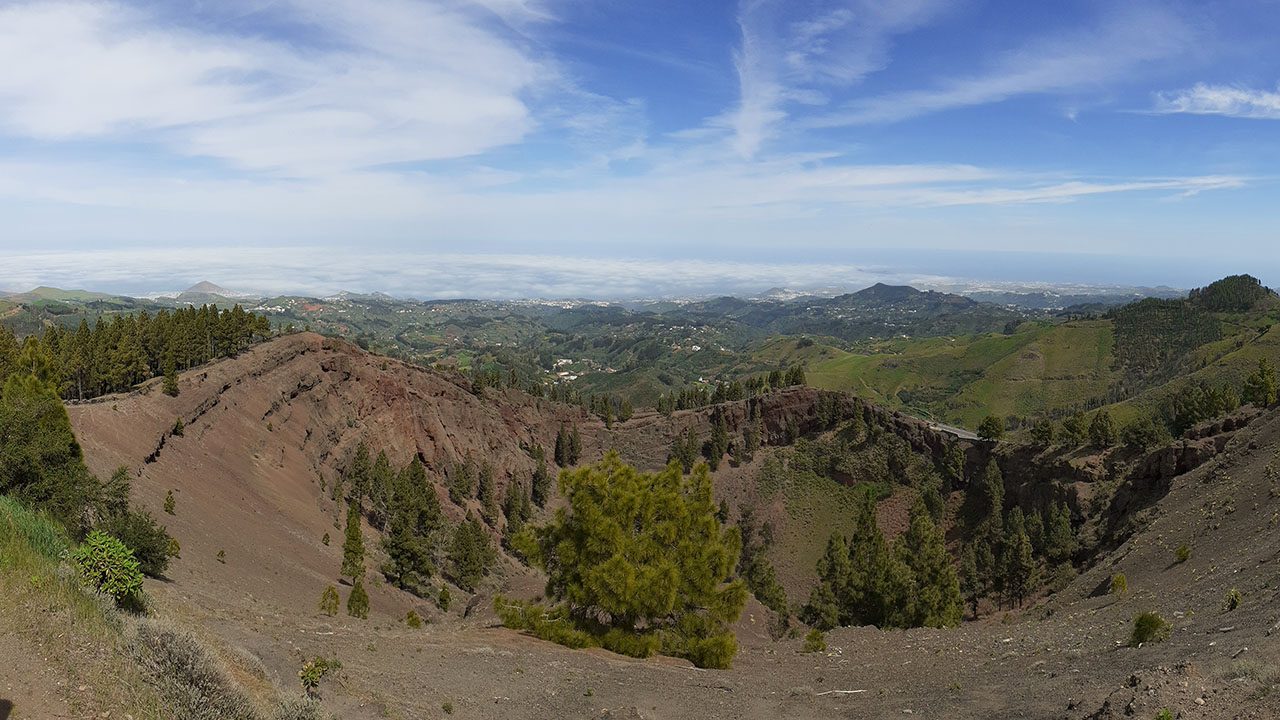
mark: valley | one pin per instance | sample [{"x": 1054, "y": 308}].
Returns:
[
  {"x": 247, "y": 461},
  {"x": 529, "y": 359}
]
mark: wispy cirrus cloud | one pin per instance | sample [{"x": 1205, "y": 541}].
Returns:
[
  {"x": 1228, "y": 100},
  {"x": 784, "y": 59},
  {"x": 1128, "y": 37}
]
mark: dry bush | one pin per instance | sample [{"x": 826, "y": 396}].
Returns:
[
  {"x": 193, "y": 679},
  {"x": 299, "y": 708}
]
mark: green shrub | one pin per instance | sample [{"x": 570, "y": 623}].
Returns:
[
  {"x": 178, "y": 429},
  {"x": 1119, "y": 585},
  {"x": 169, "y": 503},
  {"x": 329, "y": 601},
  {"x": 1164, "y": 714},
  {"x": 188, "y": 675},
  {"x": 325, "y": 539},
  {"x": 107, "y": 565},
  {"x": 1183, "y": 553},
  {"x": 447, "y": 707},
  {"x": 313, "y": 671},
  {"x": 358, "y": 601},
  {"x": 705, "y": 651},
  {"x": 444, "y": 598},
  {"x": 222, "y": 556},
  {"x": 149, "y": 541},
  {"x": 815, "y": 641},
  {"x": 1144, "y": 433},
  {"x": 1232, "y": 600},
  {"x": 413, "y": 619},
  {"x": 1148, "y": 627}
]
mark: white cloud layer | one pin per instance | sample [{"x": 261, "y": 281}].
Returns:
[
  {"x": 1231, "y": 101},
  {"x": 317, "y": 271}
]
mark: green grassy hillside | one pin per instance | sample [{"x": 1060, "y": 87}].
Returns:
[
  {"x": 961, "y": 379},
  {"x": 1046, "y": 369}
]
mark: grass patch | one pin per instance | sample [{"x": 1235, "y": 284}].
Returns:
[
  {"x": 815, "y": 641},
  {"x": 1148, "y": 627},
  {"x": 1264, "y": 674},
  {"x": 45, "y": 606},
  {"x": 141, "y": 666}
]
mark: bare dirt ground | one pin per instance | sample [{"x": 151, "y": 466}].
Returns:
[{"x": 254, "y": 492}]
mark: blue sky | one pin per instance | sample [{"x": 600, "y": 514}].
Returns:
[{"x": 324, "y": 144}]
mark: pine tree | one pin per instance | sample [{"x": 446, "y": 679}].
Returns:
[
  {"x": 358, "y": 601},
  {"x": 830, "y": 602},
  {"x": 985, "y": 501},
  {"x": 412, "y": 529},
  {"x": 872, "y": 600},
  {"x": 359, "y": 472},
  {"x": 1074, "y": 429},
  {"x": 353, "y": 546},
  {"x": 972, "y": 585},
  {"x": 750, "y": 439},
  {"x": 988, "y": 570},
  {"x": 775, "y": 379},
  {"x": 1016, "y": 559},
  {"x": 562, "y": 447},
  {"x": 329, "y": 601},
  {"x": 1060, "y": 539},
  {"x": 795, "y": 376},
  {"x": 462, "y": 480},
  {"x": 1035, "y": 530},
  {"x": 381, "y": 490},
  {"x": 1042, "y": 432},
  {"x": 1102, "y": 431},
  {"x": 684, "y": 449},
  {"x": 487, "y": 494},
  {"x": 953, "y": 469},
  {"x": 719, "y": 442},
  {"x": 575, "y": 446},
  {"x": 517, "y": 508},
  {"x": 470, "y": 554},
  {"x": 541, "y": 483},
  {"x": 614, "y": 555},
  {"x": 1260, "y": 388},
  {"x": 991, "y": 429},
  {"x": 170, "y": 385}
]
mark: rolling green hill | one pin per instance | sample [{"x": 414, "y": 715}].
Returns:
[
  {"x": 936, "y": 355},
  {"x": 1133, "y": 360}
]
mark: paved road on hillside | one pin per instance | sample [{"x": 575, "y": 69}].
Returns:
[{"x": 958, "y": 432}]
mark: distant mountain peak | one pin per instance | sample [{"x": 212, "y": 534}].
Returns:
[
  {"x": 882, "y": 290},
  {"x": 208, "y": 288}
]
